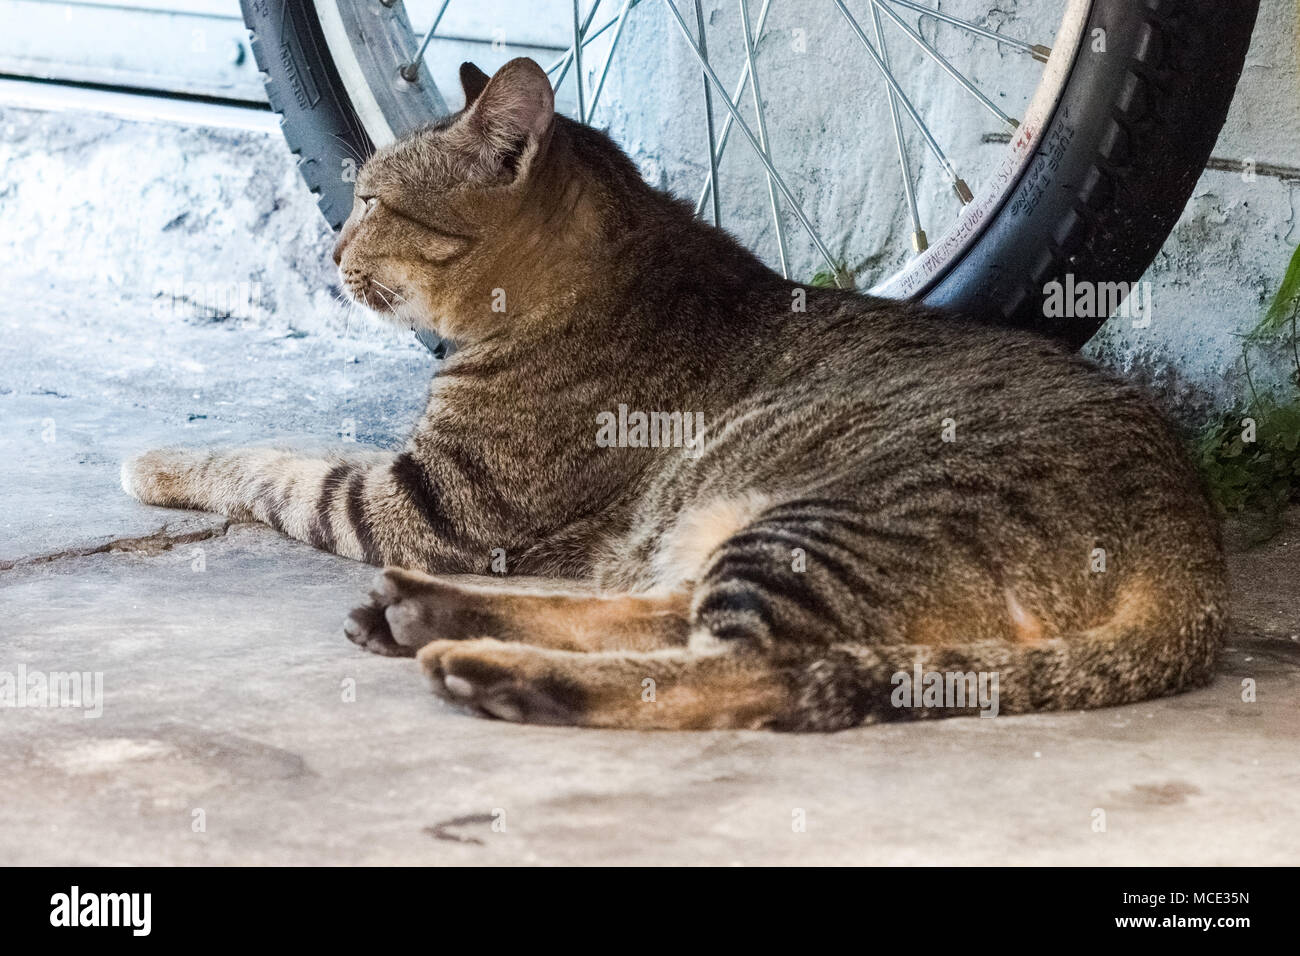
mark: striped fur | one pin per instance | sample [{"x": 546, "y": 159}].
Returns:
[{"x": 880, "y": 487}]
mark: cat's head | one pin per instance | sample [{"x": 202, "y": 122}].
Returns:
[{"x": 454, "y": 219}]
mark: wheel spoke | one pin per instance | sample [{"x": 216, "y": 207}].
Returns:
[
  {"x": 878, "y": 7},
  {"x": 708, "y": 118},
  {"x": 958, "y": 184},
  {"x": 707, "y": 190},
  {"x": 762, "y": 135},
  {"x": 1036, "y": 50},
  {"x": 577, "y": 51},
  {"x": 753, "y": 141},
  {"x": 411, "y": 71},
  {"x": 565, "y": 59},
  {"x": 621, "y": 19},
  {"x": 919, "y": 241}
]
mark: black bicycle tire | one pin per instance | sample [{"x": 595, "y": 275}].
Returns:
[
  {"x": 1145, "y": 114},
  {"x": 1151, "y": 106},
  {"x": 303, "y": 86}
]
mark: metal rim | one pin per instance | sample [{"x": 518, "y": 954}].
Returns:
[{"x": 370, "y": 43}]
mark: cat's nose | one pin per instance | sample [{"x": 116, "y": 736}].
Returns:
[{"x": 345, "y": 237}]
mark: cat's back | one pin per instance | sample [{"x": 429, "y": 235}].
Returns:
[
  {"x": 871, "y": 390},
  {"x": 896, "y": 361}
]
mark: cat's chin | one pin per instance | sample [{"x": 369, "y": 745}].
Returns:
[
  {"x": 387, "y": 314},
  {"x": 401, "y": 318},
  {"x": 413, "y": 321}
]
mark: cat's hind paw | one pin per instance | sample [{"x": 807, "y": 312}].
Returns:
[{"x": 500, "y": 679}]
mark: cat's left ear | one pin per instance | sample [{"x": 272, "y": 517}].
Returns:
[
  {"x": 472, "y": 82},
  {"x": 512, "y": 117}
]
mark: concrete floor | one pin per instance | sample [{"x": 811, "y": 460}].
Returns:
[{"x": 239, "y": 726}]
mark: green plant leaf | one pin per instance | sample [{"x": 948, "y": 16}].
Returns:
[{"x": 1284, "y": 303}]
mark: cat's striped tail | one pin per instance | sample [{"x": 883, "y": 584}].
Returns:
[{"x": 1119, "y": 662}]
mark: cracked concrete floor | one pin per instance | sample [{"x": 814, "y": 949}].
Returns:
[{"x": 239, "y": 726}]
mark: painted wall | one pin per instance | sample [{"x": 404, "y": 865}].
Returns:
[{"x": 1226, "y": 256}]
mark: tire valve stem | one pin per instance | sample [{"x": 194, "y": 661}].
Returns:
[
  {"x": 963, "y": 191},
  {"x": 919, "y": 242}
]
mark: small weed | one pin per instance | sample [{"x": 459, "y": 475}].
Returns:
[
  {"x": 1250, "y": 456},
  {"x": 825, "y": 278}
]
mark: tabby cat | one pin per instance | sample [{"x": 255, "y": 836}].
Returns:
[{"x": 879, "y": 490}]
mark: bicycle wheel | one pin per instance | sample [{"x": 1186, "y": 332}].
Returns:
[{"x": 1088, "y": 180}]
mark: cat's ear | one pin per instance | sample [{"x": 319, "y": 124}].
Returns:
[
  {"x": 472, "y": 82},
  {"x": 512, "y": 116}
]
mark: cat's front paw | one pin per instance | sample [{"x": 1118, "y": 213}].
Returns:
[
  {"x": 165, "y": 476},
  {"x": 407, "y": 610},
  {"x": 367, "y": 626}
]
